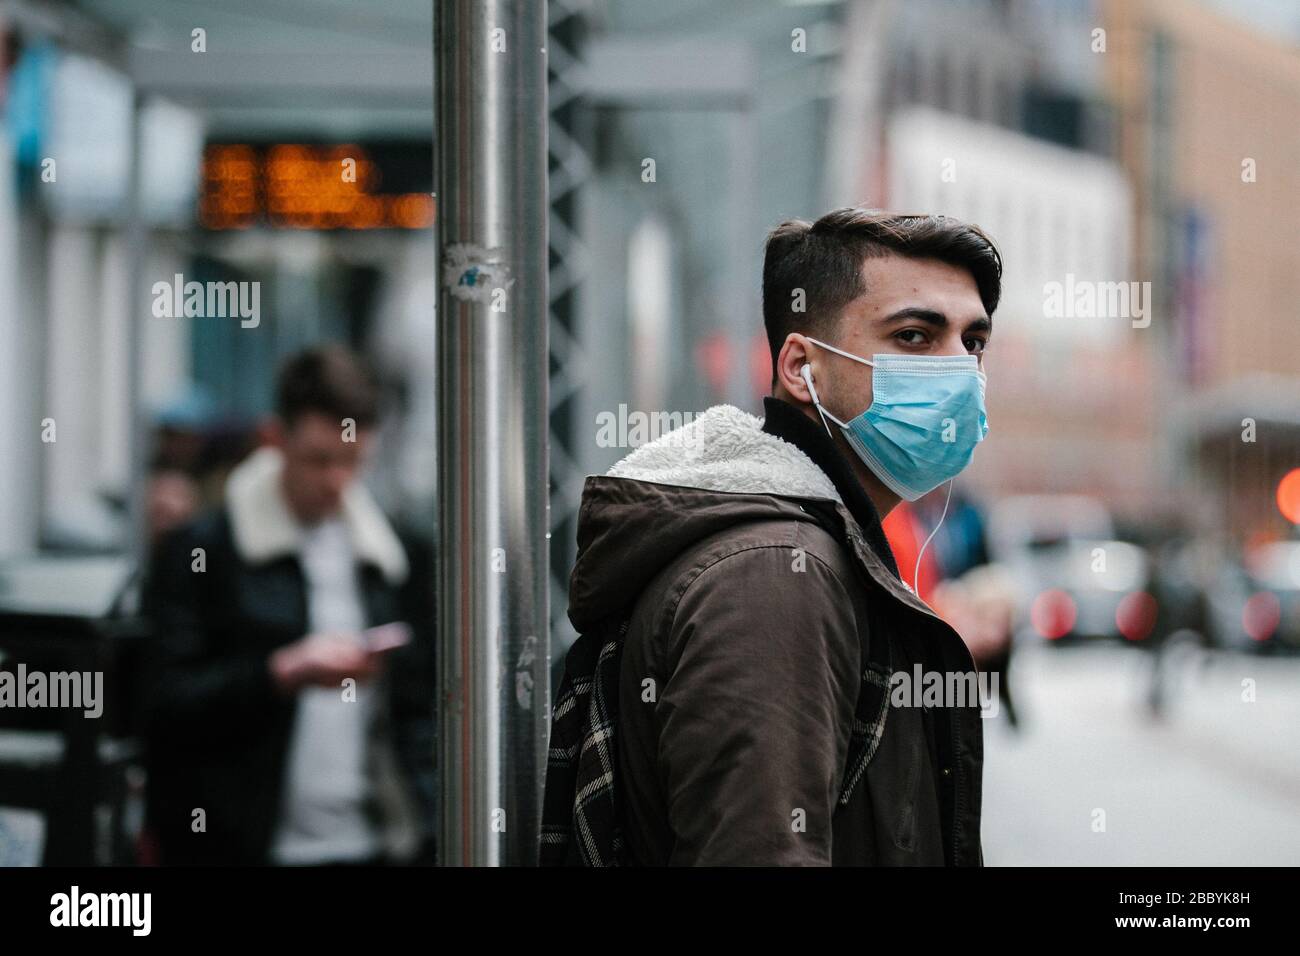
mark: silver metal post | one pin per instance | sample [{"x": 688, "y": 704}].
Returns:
[
  {"x": 491, "y": 179},
  {"x": 139, "y": 434}
]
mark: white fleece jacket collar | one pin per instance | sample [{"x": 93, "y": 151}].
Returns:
[
  {"x": 726, "y": 449},
  {"x": 264, "y": 528}
]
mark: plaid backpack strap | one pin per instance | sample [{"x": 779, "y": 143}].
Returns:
[
  {"x": 597, "y": 820},
  {"x": 581, "y": 825},
  {"x": 868, "y": 718},
  {"x": 567, "y": 717}
]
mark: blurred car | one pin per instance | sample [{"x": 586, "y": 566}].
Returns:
[
  {"x": 1075, "y": 580},
  {"x": 1254, "y": 604}
]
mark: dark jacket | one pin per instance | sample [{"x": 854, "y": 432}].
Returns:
[
  {"x": 217, "y": 730},
  {"x": 758, "y": 610}
]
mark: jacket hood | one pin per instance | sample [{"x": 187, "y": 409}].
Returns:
[{"x": 717, "y": 471}]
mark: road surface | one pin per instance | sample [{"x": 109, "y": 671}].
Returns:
[{"x": 1094, "y": 779}]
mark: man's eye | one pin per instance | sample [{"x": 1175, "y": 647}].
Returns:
[
  {"x": 915, "y": 341},
  {"x": 976, "y": 346}
]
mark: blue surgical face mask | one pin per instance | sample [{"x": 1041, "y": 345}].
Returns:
[{"x": 926, "y": 417}]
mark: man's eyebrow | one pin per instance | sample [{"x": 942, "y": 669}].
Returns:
[{"x": 937, "y": 319}]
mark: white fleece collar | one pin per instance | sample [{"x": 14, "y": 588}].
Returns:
[
  {"x": 726, "y": 449},
  {"x": 263, "y": 526}
]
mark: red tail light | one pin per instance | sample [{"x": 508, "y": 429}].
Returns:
[
  {"x": 1136, "y": 615},
  {"x": 1261, "y": 615},
  {"x": 1053, "y": 614}
]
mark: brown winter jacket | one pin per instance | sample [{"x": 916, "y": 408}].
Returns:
[{"x": 758, "y": 614}]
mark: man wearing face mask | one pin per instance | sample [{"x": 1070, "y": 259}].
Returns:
[{"x": 762, "y": 611}]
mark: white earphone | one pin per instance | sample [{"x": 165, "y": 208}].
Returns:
[{"x": 806, "y": 374}]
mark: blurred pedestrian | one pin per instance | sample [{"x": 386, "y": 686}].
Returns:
[
  {"x": 971, "y": 594},
  {"x": 981, "y": 607},
  {"x": 285, "y": 725}
]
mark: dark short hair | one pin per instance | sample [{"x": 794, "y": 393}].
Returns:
[
  {"x": 329, "y": 380},
  {"x": 824, "y": 259}
]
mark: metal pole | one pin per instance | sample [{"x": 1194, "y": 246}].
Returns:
[
  {"x": 491, "y": 179},
  {"x": 139, "y": 438}
]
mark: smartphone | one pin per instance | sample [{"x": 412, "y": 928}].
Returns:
[{"x": 387, "y": 637}]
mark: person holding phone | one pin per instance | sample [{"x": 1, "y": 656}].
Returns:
[{"x": 291, "y": 708}]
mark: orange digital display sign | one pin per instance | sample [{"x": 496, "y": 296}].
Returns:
[{"x": 293, "y": 186}]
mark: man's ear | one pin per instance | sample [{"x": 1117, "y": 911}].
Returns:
[{"x": 790, "y": 379}]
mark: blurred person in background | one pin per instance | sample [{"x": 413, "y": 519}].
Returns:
[
  {"x": 284, "y": 724},
  {"x": 172, "y": 501},
  {"x": 194, "y": 452},
  {"x": 971, "y": 594},
  {"x": 981, "y": 607},
  {"x": 764, "y": 610}
]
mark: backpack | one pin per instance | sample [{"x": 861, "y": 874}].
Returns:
[{"x": 581, "y": 822}]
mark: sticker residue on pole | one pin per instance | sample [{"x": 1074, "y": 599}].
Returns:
[{"x": 472, "y": 273}]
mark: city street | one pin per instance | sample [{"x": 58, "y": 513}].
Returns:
[
  {"x": 1215, "y": 783},
  {"x": 371, "y": 375}
]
